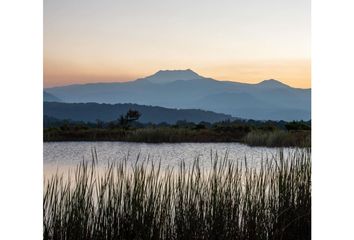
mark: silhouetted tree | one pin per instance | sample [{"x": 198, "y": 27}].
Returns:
[
  {"x": 99, "y": 123},
  {"x": 122, "y": 121},
  {"x": 130, "y": 116},
  {"x": 297, "y": 125}
]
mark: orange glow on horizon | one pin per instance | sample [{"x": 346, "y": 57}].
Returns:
[
  {"x": 295, "y": 73},
  {"x": 114, "y": 41}
]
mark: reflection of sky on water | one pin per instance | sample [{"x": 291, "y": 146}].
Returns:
[{"x": 63, "y": 155}]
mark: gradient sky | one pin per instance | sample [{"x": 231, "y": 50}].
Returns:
[{"x": 121, "y": 40}]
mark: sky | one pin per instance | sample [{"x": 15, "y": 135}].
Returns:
[{"x": 120, "y": 40}]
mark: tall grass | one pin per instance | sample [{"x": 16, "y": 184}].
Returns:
[
  {"x": 230, "y": 200},
  {"x": 148, "y": 135},
  {"x": 278, "y": 138}
]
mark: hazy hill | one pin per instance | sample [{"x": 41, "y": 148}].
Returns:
[
  {"x": 269, "y": 99},
  {"x": 47, "y": 97},
  {"x": 90, "y": 112}
]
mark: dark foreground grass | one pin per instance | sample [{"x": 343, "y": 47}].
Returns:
[{"x": 143, "y": 201}]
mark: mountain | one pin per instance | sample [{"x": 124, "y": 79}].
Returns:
[
  {"x": 90, "y": 112},
  {"x": 48, "y": 97},
  {"x": 266, "y": 100},
  {"x": 166, "y": 76},
  {"x": 271, "y": 84}
]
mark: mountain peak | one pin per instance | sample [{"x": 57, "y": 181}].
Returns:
[
  {"x": 272, "y": 83},
  {"x": 166, "y": 76}
]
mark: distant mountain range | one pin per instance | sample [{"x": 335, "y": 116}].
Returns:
[
  {"x": 185, "y": 89},
  {"x": 90, "y": 112},
  {"x": 47, "y": 97}
]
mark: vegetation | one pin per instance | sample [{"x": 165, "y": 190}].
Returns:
[
  {"x": 228, "y": 201},
  {"x": 126, "y": 128},
  {"x": 278, "y": 138},
  {"x": 130, "y": 117}
]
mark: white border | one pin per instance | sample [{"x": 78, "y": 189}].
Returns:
[
  {"x": 332, "y": 119},
  {"x": 21, "y": 119},
  {"x": 21, "y": 73}
]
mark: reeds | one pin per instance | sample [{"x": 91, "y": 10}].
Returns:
[
  {"x": 230, "y": 200},
  {"x": 148, "y": 135},
  {"x": 278, "y": 138}
]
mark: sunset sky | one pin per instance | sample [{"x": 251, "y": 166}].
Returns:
[{"x": 120, "y": 40}]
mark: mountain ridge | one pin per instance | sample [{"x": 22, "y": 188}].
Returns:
[
  {"x": 272, "y": 96},
  {"x": 90, "y": 112},
  {"x": 47, "y": 97}
]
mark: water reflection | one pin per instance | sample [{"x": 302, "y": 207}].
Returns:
[{"x": 64, "y": 155}]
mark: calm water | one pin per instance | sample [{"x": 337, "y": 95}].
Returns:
[{"x": 62, "y": 155}]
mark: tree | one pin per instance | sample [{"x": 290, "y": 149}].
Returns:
[
  {"x": 130, "y": 116},
  {"x": 122, "y": 120},
  {"x": 99, "y": 123},
  {"x": 297, "y": 125}
]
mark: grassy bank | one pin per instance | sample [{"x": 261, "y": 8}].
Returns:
[
  {"x": 274, "y": 138},
  {"x": 142, "y": 201},
  {"x": 278, "y": 139},
  {"x": 150, "y": 135},
  {"x": 251, "y": 132}
]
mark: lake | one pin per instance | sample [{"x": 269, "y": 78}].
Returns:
[{"x": 63, "y": 155}]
